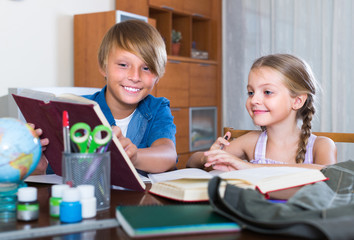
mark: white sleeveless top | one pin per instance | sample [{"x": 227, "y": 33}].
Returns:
[{"x": 260, "y": 151}]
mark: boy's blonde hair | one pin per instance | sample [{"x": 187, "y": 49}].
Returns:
[
  {"x": 139, "y": 38},
  {"x": 299, "y": 79}
]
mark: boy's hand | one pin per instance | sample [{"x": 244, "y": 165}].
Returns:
[
  {"x": 43, "y": 162},
  {"x": 129, "y": 147}
]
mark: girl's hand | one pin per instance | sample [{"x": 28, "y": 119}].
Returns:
[
  {"x": 221, "y": 142},
  {"x": 129, "y": 147},
  {"x": 224, "y": 161},
  {"x": 43, "y": 162}
]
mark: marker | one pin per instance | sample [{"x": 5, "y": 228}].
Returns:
[{"x": 66, "y": 132}]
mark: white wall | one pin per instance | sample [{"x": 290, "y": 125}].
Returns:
[{"x": 36, "y": 41}]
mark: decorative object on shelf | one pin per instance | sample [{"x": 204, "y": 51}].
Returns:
[
  {"x": 195, "y": 53},
  {"x": 176, "y": 44},
  {"x": 198, "y": 54}
]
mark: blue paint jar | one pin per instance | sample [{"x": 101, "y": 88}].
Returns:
[{"x": 70, "y": 206}]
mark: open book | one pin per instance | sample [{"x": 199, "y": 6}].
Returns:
[
  {"x": 191, "y": 184},
  {"x": 45, "y": 111}
]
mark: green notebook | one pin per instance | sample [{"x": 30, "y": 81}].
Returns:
[{"x": 157, "y": 220}]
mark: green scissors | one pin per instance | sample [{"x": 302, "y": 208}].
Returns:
[{"x": 89, "y": 141}]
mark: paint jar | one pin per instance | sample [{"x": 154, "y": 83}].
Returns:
[
  {"x": 27, "y": 205},
  {"x": 56, "y": 198},
  {"x": 70, "y": 206},
  {"x": 88, "y": 200}
]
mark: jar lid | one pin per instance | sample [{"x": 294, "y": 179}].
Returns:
[
  {"x": 57, "y": 190},
  {"x": 27, "y": 194},
  {"x": 71, "y": 195},
  {"x": 86, "y": 191}
]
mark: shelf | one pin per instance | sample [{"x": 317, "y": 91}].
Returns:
[
  {"x": 189, "y": 59},
  {"x": 195, "y": 30}
]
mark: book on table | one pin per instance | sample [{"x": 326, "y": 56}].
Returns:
[
  {"x": 159, "y": 220},
  {"x": 190, "y": 184},
  {"x": 45, "y": 110}
]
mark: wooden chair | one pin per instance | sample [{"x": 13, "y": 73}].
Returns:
[{"x": 336, "y": 137}]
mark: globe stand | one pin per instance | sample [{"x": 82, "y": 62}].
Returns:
[{"x": 8, "y": 200}]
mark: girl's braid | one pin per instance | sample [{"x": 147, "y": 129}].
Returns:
[{"x": 306, "y": 113}]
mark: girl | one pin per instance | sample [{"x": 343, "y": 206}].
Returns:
[{"x": 281, "y": 90}]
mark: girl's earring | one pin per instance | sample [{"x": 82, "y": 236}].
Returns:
[{"x": 105, "y": 78}]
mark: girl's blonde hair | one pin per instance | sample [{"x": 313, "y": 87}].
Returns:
[
  {"x": 139, "y": 38},
  {"x": 299, "y": 79}
]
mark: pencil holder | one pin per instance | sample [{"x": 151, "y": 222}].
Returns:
[{"x": 90, "y": 168}]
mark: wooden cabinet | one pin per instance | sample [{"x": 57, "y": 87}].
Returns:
[
  {"x": 175, "y": 5},
  {"x": 182, "y": 160},
  {"x": 139, "y": 7},
  {"x": 188, "y": 82},
  {"x": 89, "y": 30},
  {"x": 203, "y": 85},
  {"x": 194, "y": 7},
  {"x": 202, "y": 8},
  {"x": 181, "y": 119},
  {"x": 175, "y": 84}
]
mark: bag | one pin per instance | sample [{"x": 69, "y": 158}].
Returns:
[{"x": 324, "y": 210}]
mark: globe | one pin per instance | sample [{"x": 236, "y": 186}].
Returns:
[{"x": 20, "y": 151}]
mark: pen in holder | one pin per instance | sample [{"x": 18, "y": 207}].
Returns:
[{"x": 89, "y": 168}]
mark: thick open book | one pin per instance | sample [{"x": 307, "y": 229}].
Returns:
[
  {"x": 191, "y": 184},
  {"x": 160, "y": 220},
  {"x": 45, "y": 111}
]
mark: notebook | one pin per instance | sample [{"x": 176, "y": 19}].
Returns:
[{"x": 160, "y": 220}]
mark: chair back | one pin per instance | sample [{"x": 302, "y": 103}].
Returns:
[{"x": 336, "y": 137}]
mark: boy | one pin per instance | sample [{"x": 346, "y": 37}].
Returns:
[{"x": 132, "y": 58}]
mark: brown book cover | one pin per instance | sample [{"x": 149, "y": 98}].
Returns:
[{"x": 45, "y": 111}]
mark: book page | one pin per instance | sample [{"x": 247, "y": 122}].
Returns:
[
  {"x": 44, "y": 96},
  {"x": 46, "y": 178},
  {"x": 191, "y": 173},
  {"x": 290, "y": 180},
  {"x": 48, "y": 96},
  {"x": 182, "y": 189},
  {"x": 75, "y": 98},
  {"x": 257, "y": 175}
]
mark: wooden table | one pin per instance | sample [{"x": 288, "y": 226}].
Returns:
[{"x": 118, "y": 197}]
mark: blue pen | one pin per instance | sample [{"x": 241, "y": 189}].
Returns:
[{"x": 277, "y": 201}]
